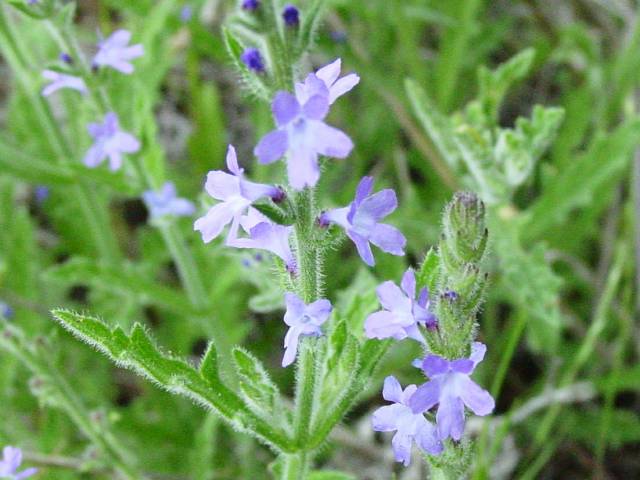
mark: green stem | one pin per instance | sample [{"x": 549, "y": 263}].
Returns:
[
  {"x": 594, "y": 331},
  {"x": 295, "y": 466}
]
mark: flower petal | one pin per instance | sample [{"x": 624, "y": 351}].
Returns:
[
  {"x": 232, "y": 161},
  {"x": 391, "y": 297},
  {"x": 427, "y": 439},
  {"x": 272, "y": 146},
  {"x": 212, "y": 224},
  {"x": 319, "y": 311},
  {"x": 363, "y": 190},
  {"x": 476, "y": 398},
  {"x": 385, "y": 419},
  {"x": 382, "y": 325},
  {"x": 285, "y": 108},
  {"x": 402, "y": 448},
  {"x": 291, "y": 346},
  {"x": 392, "y": 390},
  {"x": 330, "y": 141},
  {"x": 329, "y": 73},
  {"x": 433, "y": 365},
  {"x": 222, "y": 185},
  {"x": 450, "y": 418},
  {"x": 363, "y": 247},
  {"x": 388, "y": 239},
  {"x": 302, "y": 168},
  {"x": 316, "y": 108},
  {"x": 425, "y": 397},
  {"x": 342, "y": 86},
  {"x": 380, "y": 204},
  {"x": 478, "y": 351},
  {"x": 408, "y": 283}
]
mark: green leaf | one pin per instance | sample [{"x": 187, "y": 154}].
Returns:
[
  {"x": 257, "y": 388},
  {"x": 574, "y": 186},
  {"x": 429, "y": 271},
  {"x": 311, "y": 18},
  {"x": 494, "y": 84},
  {"x": 519, "y": 149},
  {"x": 139, "y": 353},
  {"x": 209, "y": 364},
  {"x": 532, "y": 285}
]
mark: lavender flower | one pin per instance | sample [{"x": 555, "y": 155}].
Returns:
[
  {"x": 253, "y": 60},
  {"x": 66, "y": 58},
  {"x": 61, "y": 80},
  {"x": 109, "y": 141},
  {"x": 451, "y": 388},
  {"x": 250, "y": 5},
  {"x": 114, "y": 52},
  {"x": 166, "y": 202},
  {"x": 402, "y": 313},
  {"x": 291, "y": 16},
  {"x": 360, "y": 221},
  {"x": 236, "y": 195},
  {"x": 303, "y": 135},
  {"x": 6, "y": 311},
  {"x": 302, "y": 320},
  {"x": 329, "y": 76},
  {"x": 11, "y": 460},
  {"x": 409, "y": 426},
  {"x": 186, "y": 13},
  {"x": 265, "y": 235}
]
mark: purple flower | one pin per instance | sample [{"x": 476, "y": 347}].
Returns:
[
  {"x": 409, "y": 426},
  {"x": 250, "y": 5},
  {"x": 186, "y": 13},
  {"x": 329, "y": 76},
  {"x": 360, "y": 221},
  {"x": 6, "y": 311},
  {"x": 11, "y": 460},
  {"x": 402, "y": 313},
  {"x": 252, "y": 59},
  {"x": 66, "y": 58},
  {"x": 302, "y": 320},
  {"x": 109, "y": 141},
  {"x": 60, "y": 80},
  {"x": 302, "y": 135},
  {"x": 41, "y": 194},
  {"x": 265, "y": 235},
  {"x": 166, "y": 202},
  {"x": 114, "y": 52},
  {"x": 451, "y": 388},
  {"x": 291, "y": 16},
  {"x": 236, "y": 195}
]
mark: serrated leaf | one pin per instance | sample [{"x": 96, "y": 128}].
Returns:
[
  {"x": 172, "y": 374},
  {"x": 519, "y": 149},
  {"x": 255, "y": 383}
]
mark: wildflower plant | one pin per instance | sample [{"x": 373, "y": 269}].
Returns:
[{"x": 284, "y": 212}]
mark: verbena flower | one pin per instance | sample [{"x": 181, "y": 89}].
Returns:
[
  {"x": 252, "y": 58},
  {"x": 166, "y": 202},
  {"x": 291, "y": 16},
  {"x": 451, "y": 388},
  {"x": 236, "y": 196},
  {"x": 116, "y": 53},
  {"x": 360, "y": 220},
  {"x": 302, "y": 135},
  {"x": 61, "y": 80},
  {"x": 402, "y": 312},
  {"x": 265, "y": 235},
  {"x": 6, "y": 311},
  {"x": 409, "y": 426},
  {"x": 250, "y": 5},
  {"x": 336, "y": 87},
  {"x": 109, "y": 142},
  {"x": 302, "y": 319},
  {"x": 11, "y": 461}
]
